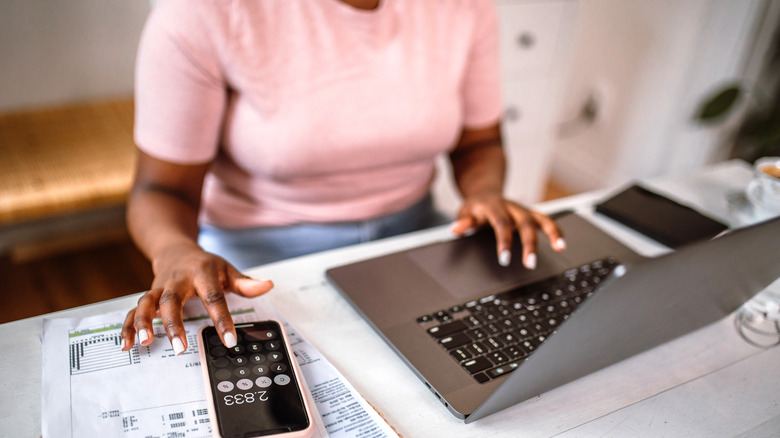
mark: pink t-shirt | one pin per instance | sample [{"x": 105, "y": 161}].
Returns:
[{"x": 312, "y": 110}]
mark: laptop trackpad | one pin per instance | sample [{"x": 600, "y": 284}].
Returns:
[{"x": 468, "y": 268}]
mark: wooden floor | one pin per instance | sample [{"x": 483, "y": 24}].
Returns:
[{"x": 72, "y": 279}]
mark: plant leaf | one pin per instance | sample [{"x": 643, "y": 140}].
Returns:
[{"x": 717, "y": 106}]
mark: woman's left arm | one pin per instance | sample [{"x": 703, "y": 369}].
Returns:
[{"x": 479, "y": 167}]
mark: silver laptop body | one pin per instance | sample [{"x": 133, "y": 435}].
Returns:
[{"x": 644, "y": 303}]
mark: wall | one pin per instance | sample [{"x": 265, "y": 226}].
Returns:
[
  {"x": 56, "y": 52},
  {"x": 645, "y": 66}
]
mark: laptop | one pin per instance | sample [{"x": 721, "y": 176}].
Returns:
[{"x": 433, "y": 305}]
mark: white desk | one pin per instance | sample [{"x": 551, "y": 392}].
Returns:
[{"x": 708, "y": 383}]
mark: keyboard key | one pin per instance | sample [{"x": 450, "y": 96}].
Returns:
[
  {"x": 515, "y": 352},
  {"x": 442, "y": 316},
  {"x": 492, "y": 329},
  {"x": 498, "y": 358},
  {"x": 507, "y": 338},
  {"x": 477, "y": 348},
  {"x": 461, "y": 354},
  {"x": 472, "y": 321},
  {"x": 522, "y": 333},
  {"x": 494, "y": 344},
  {"x": 481, "y": 378},
  {"x": 447, "y": 329},
  {"x": 455, "y": 340},
  {"x": 503, "y": 370},
  {"x": 477, "y": 364},
  {"x": 425, "y": 318},
  {"x": 478, "y": 334}
]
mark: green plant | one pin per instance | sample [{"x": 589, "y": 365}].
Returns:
[
  {"x": 758, "y": 134},
  {"x": 758, "y": 131}
]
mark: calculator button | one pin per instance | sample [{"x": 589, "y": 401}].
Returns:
[
  {"x": 220, "y": 362},
  {"x": 282, "y": 379},
  {"x": 223, "y": 374},
  {"x": 219, "y": 351},
  {"x": 239, "y": 360},
  {"x": 260, "y": 369},
  {"x": 257, "y": 358},
  {"x": 279, "y": 367},
  {"x": 225, "y": 386},
  {"x": 254, "y": 347},
  {"x": 238, "y": 349},
  {"x": 241, "y": 372},
  {"x": 214, "y": 340},
  {"x": 275, "y": 356},
  {"x": 263, "y": 382},
  {"x": 244, "y": 384},
  {"x": 272, "y": 345}
]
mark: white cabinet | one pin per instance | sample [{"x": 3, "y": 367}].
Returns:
[
  {"x": 643, "y": 68},
  {"x": 534, "y": 36}
]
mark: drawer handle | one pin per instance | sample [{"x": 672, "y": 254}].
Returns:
[
  {"x": 526, "y": 40},
  {"x": 511, "y": 114}
]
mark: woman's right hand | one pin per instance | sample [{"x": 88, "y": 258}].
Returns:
[{"x": 182, "y": 272}]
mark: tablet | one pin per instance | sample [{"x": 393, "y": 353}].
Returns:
[{"x": 659, "y": 217}]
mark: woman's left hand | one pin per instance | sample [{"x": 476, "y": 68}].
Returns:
[{"x": 505, "y": 216}]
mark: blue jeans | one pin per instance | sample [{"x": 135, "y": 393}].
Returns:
[{"x": 248, "y": 247}]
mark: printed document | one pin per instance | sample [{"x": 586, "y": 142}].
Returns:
[{"x": 93, "y": 388}]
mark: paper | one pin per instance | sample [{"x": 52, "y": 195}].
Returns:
[{"x": 92, "y": 388}]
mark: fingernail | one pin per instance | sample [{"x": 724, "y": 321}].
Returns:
[
  {"x": 560, "y": 244},
  {"x": 230, "y": 340},
  {"x": 178, "y": 345},
  {"x": 469, "y": 232},
  {"x": 122, "y": 347},
  {"x": 530, "y": 261},
  {"x": 505, "y": 258},
  {"x": 143, "y": 335}
]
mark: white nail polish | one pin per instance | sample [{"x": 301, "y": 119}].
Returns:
[
  {"x": 230, "y": 340},
  {"x": 530, "y": 261},
  {"x": 560, "y": 244},
  {"x": 469, "y": 232},
  {"x": 143, "y": 336},
  {"x": 505, "y": 258},
  {"x": 122, "y": 347},
  {"x": 178, "y": 345}
]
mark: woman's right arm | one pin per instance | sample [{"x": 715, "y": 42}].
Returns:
[{"x": 162, "y": 216}]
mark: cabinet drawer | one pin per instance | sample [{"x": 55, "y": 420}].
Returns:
[{"x": 529, "y": 35}]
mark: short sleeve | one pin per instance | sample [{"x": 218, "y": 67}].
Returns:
[
  {"x": 482, "y": 78},
  {"x": 180, "y": 92}
]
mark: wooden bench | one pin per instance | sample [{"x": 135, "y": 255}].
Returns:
[{"x": 65, "y": 174}]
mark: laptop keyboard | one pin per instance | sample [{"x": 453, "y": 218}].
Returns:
[{"x": 490, "y": 337}]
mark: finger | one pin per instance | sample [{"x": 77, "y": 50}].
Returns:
[
  {"x": 551, "y": 229},
  {"x": 527, "y": 229},
  {"x": 528, "y": 237},
  {"x": 128, "y": 331},
  {"x": 211, "y": 293},
  {"x": 503, "y": 228},
  {"x": 171, "y": 315},
  {"x": 144, "y": 314},
  {"x": 463, "y": 226},
  {"x": 247, "y": 286}
]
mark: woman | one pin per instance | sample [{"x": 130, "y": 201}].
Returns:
[{"x": 273, "y": 128}]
